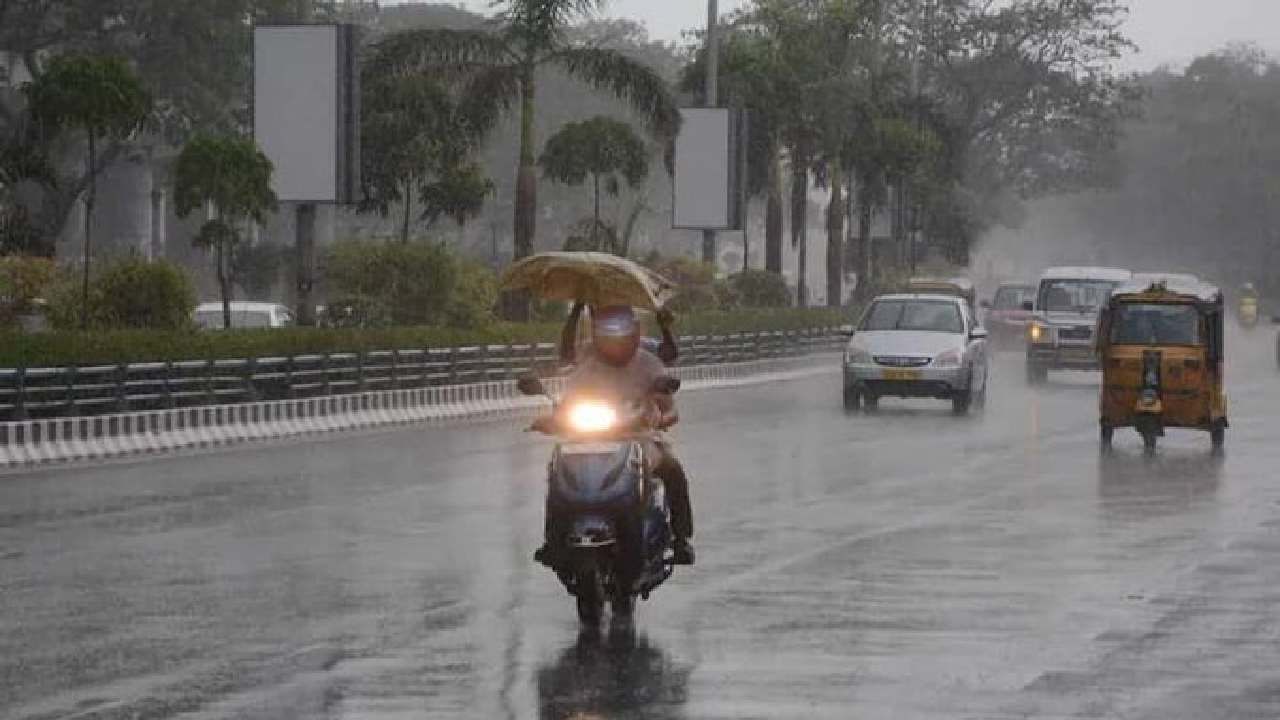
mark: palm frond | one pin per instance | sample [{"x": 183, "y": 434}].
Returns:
[
  {"x": 487, "y": 95},
  {"x": 631, "y": 81},
  {"x": 435, "y": 49}
]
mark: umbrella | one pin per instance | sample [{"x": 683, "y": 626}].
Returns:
[{"x": 597, "y": 279}]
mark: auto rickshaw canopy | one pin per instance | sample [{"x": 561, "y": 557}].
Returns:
[{"x": 593, "y": 278}]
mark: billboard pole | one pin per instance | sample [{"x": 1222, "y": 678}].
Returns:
[
  {"x": 305, "y": 247},
  {"x": 712, "y": 100}
]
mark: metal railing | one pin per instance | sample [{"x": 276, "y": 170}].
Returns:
[{"x": 77, "y": 391}]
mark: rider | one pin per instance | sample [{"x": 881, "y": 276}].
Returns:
[{"x": 615, "y": 362}]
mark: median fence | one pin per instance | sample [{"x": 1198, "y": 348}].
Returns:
[{"x": 170, "y": 407}]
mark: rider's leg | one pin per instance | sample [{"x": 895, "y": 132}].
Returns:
[{"x": 673, "y": 477}]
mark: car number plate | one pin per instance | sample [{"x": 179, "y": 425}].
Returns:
[{"x": 901, "y": 375}]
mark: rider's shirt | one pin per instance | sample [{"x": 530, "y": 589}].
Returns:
[{"x": 625, "y": 383}]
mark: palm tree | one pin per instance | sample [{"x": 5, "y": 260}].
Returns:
[{"x": 502, "y": 66}]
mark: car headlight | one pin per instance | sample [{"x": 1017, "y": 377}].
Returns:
[
  {"x": 1038, "y": 332},
  {"x": 592, "y": 417},
  {"x": 949, "y": 359},
  {"x": 857, "y": 356}
]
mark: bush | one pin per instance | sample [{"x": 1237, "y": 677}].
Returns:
[
  {"x": 695, "y": 279},
  {"x": 72, "y": 348},
  {"x": 131, "y": 293},
  {"x": 474, "y": 298},
  {"x": 23, "y": 280},
  {"x": 400, "y": 284},
  {"x": 760, "y": 289}
]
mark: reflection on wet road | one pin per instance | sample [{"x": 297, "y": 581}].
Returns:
[{"x": 904, "y": 564}]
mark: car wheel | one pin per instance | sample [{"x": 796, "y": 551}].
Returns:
[
  {"x": 852, "y": 399},
  {"x": 980, "y": 401},
  {"x": 961, "y": 402},
  {"x": 871, "y": 402}
]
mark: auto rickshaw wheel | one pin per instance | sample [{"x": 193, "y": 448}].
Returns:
[
  {"x": 1108, "y": 435},
  {"x": 1149, "y": 440},
  {"x": 1218, "y": 436}
]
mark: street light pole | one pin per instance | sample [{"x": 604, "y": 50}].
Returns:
[{"x": 712, "y": 100}]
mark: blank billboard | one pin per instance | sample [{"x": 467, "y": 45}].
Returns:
[
  {"x": 707, "y": 182},
  {"x": 305, "y": 110}
]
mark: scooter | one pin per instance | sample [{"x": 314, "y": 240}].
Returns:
[
  {"x": 1248, "y": 312},
  {"x": 609, "y": 526}
]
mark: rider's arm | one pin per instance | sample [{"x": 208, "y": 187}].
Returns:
[
  {"x": 668, "y": 351},
  {"x": 667, "y": 413},
  {"x": 569, "y": 335}
]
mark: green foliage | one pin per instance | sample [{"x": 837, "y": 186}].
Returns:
[
  {"x": 228, "y": 171},
  {"x": 418, "y": 133},
  {"x": 474, "y": 298},
  {"x": 100, "y": 347},
  {"x": 759, "y": 289},
  {"x": 23, "y": 280},
  {"x": 130, "y": 293},
  {"x": 416, "y": 283},
  {"x": 695, "y": 279},
  {"x": 600, "y": 148},
  {"x": 502, "y": 67},
  {"x": 99, "y": 95}
]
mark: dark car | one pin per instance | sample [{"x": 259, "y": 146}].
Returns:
[{"x": 1007, "y": 317}]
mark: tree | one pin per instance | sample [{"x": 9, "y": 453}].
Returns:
[
  {"x": 101, "y": 97},
  {"x": 193, "y": 56},
  {"x": 418, "y": 134},
  {"x": 503, "y": 65},
  {"x": 231, "y": 176},
  {"x": 600, "y": 149}
]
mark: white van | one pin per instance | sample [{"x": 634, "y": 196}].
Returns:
[
  {"x": 1064, "y": 320},
  {"x": 244, "y": 314}
]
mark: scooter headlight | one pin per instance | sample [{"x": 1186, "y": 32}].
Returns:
[{"x": 592, "y": 417}]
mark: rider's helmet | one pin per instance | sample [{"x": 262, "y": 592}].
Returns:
[{"x": 615, "y": 334}]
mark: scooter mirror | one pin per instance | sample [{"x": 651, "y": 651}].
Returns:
[
  {"x": 666, "y": 386},
  {"x": 530, "y": 385}
]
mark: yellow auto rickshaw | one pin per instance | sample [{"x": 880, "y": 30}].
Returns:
[{"x": 1160, "y": 345}]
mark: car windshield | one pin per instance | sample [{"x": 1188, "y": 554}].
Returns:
[
  {"x": 1011, "y": 298},
  {"x": 1152, "y": 324},
  {"x": 1074, "y": 295},
  {"x": 918, "y": 315}
]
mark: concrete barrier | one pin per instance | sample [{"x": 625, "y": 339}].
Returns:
[{"x": 36, "y": 443}]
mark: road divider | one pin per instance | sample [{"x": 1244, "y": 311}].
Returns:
[{"x": 36, "y": 443}]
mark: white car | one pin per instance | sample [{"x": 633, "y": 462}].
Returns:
[
  {"x": 917, "y": 346},
  {"x": 1063, "y": 329},
  {"x": 244, "y": 314}
]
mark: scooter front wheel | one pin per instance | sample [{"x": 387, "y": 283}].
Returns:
[{"x": 590, "y": 598}]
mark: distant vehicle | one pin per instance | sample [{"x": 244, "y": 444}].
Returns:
[
  {"x": 917, "y": 346},
  {"x": 244, "y": 314},
  {"x": 1006, "y": 318},
  {"x": 1063, "y": 329},
  {"x": 956, "y": 286}
]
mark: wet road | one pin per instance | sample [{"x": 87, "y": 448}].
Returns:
[{"x": 903, "y": 565}]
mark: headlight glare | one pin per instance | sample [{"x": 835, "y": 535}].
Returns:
[{"x": 592, "y": 417}]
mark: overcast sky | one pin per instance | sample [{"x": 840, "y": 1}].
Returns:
[{"x": 1168, "y": 31}]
